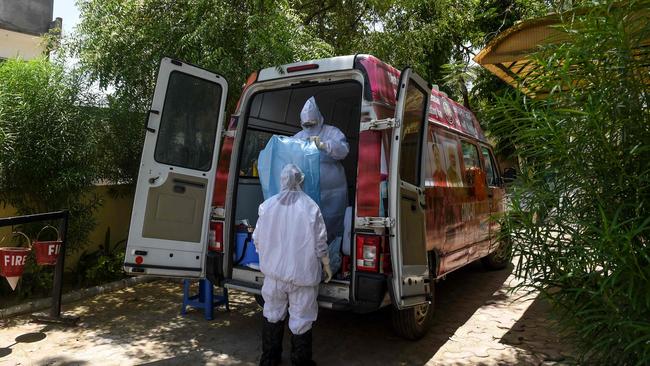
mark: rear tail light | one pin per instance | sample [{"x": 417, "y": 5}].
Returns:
[
  {"x": 368, "y": 253},
  {"x": 215, "y": 240}
]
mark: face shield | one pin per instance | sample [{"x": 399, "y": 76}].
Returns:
[{"x": 310, "y": 115}]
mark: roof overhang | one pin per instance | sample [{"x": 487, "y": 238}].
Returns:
[{"x": 508, "y": 55}]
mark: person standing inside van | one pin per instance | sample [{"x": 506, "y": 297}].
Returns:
[
  {"x": 334, "y": 148},
  {"x": 291, "y": 240}
]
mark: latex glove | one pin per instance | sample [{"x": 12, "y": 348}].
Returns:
[
  {"x": 326, "y": 268},
  {"x": 319, "y": 144}
]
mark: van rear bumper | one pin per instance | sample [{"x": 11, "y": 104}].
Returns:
[
  {"x": 324, "y": 301},
  {"x": 332, "y": 295}
]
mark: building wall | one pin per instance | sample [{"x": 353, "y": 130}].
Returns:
[
  {"x": 22, "y": 24},
  {"x": 21, "y": 45},
  {"x": 26, "y": 16},
  {"x": 114, "y": 213}
]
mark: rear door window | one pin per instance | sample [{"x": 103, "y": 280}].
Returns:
[
  {"x": 413, "y": 123},
  {"x": 187, "y": 133}
]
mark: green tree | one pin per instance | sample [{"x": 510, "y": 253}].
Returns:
[
  {"x": 580, "y": 216},
  {"x": 342, "y": 24},
  {"x": 120, "y": 43}
]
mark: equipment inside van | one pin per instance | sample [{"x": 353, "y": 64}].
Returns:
[{"x": 422, "y": 179}]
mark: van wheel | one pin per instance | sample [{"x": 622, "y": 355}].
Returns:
[
  {"x": 259, "y": 300},
  {"x": 500, "y": 258},
  {"x": 413, "y": 323}
]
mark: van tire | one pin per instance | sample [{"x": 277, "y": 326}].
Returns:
[
  {"x": 413, "y": 323},
  {"x": 500, "y": 258},
  {"x": 259, "y": 300}
]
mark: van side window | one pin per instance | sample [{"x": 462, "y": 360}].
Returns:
[
  {"x": 442, "y": 168},
  {"x": 445, "y": 151},
  {"x": 489, "y": 167},
  {"x": 254, "y": 142},
  {"x": 470, "y": 157}
]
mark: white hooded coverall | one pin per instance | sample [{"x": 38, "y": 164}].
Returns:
[
  {"x": 333, "y": 184},
  {"x": 291, "y": 238}
]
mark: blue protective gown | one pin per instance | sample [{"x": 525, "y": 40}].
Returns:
[{"x": 333, "y": 184}]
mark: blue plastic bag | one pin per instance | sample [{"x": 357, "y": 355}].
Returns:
[{"x": 283, "y": 150}]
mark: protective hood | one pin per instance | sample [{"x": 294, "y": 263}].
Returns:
[
  {"x": 291, "y": 178},
  {"x": 310, "y": 117}
]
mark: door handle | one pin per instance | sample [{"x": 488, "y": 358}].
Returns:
[
  {"x": 153, "y": 180},
  {"x": 146, "y": 120}
]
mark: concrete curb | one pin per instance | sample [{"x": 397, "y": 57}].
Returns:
[{"x": 72, "y": 296}]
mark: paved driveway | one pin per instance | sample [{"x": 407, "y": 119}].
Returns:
[{"x": 477, "y": 323}]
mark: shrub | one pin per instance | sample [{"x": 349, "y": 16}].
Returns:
[
  {"x": 103, "y": 265},
  {"x": 48, "y": 144},
  {"x": 581, "y": 215}
]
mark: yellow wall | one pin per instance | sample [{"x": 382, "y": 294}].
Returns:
[
  {"x": 15, "y": 44},
  {"x": 115, "y": 213}
]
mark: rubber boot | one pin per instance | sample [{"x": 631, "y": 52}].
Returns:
[
  {"x": 272, "y": 334},
  {"x": 301, "y": 350}
]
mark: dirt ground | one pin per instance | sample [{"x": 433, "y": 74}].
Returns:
[{"x": 478, "y": 322}]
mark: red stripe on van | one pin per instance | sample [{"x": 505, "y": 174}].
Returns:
[{"x": 369, "y": 175}]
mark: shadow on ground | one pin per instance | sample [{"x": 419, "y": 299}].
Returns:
[
  {"x": 535, "y": 333},
  {"x": 145, "y": 322},
  {"x": 31, "y": 337}
]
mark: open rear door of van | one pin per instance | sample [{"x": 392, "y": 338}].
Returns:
[
  {"x": 410, "y": 281},
  {"x": 171, "y": 210}
]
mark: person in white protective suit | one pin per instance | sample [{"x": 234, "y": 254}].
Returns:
[
  {"x": 291, "y": 239},
  {"x": 334, "y": 148}
]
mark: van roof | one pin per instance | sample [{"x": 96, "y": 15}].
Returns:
[
  {"x": 322, "y": 65},
  {"x": 383, "y": 80}
]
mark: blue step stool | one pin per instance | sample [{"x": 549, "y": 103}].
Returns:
[{"x": 205, "y": 299}]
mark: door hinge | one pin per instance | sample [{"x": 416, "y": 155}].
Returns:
[
  {"x": 374, "y": 222},
  {"x": 379, "y": 124}
]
